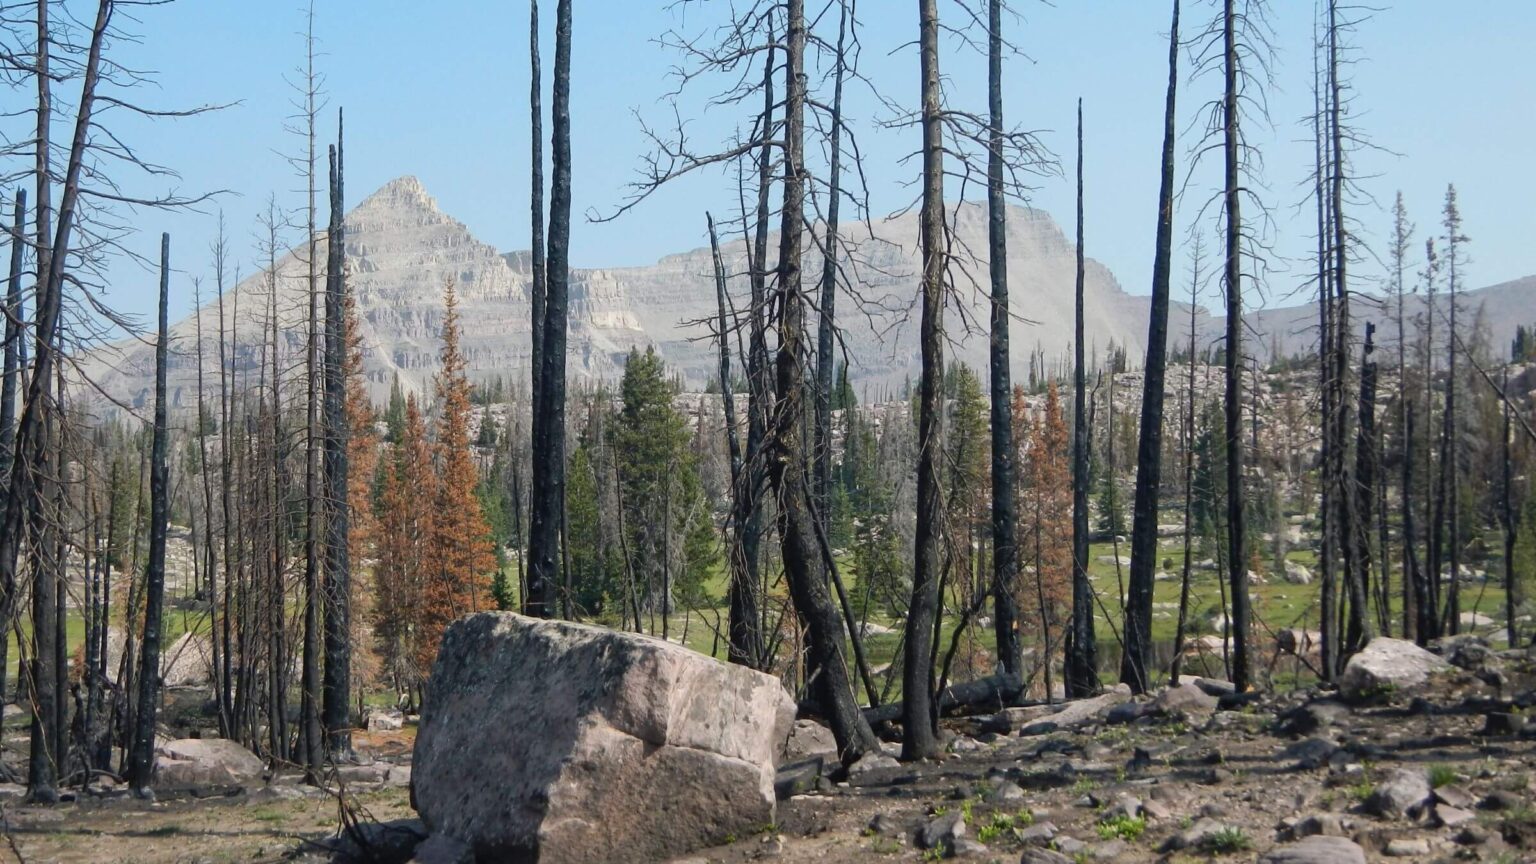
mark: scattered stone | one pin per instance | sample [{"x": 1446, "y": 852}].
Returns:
[
  {"x": 1193, "y": 836},
  {"x": 1040, "y": 727},
  {"x": 1452, "y": 817},
  {"x": 1502, "y": 799},
  {"x": 1039, "y": 833},
  {"x": 1403, "y": 847},
  {"x": 963, "y": 847},
  {"x": 1317, "y": 824},
  {"x": 1124, "y": 808},
  {"x": 1297, "y": 573},
  {"x": 808, "y": 739},
  {"x": 885, "y": 825},
  {"x": 871, "y": 767},
  {"x": 1070, "y": 845},
  {"x": 192, "y": 762},
  {"x": 1387, "y": 665},
  {"x": 1317, "y": 850},
  {"x": 1082, "y": 712},
  {"x": 386, "y": 721},
  {"x": 1401, "y": 794},
  {"x": 1156, "y": 811},
  {"x": 941, "y": 830},
  {"x": 1186, "y": 702},
  {"x": 1455, "y": 796},
  {"x": 797, "y": 778},
  {"x": 1309, "y": 753},
  {"x": 611, "y": 723},
  {"x": 1004, "y": 792},
  {"x": 1311, "y": 718}
]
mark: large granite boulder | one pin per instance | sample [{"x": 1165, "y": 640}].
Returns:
[
  {"x": 205, "y": 762},
  {"x": 561, "y": 742},
  {"x": 1386, "y": 666}
]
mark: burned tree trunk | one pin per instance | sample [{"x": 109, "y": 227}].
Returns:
[
  {"x": 549, "y": 423},
  {"x": 743, "y": 639},
  {"x": 1082, "y": 660},
  {"x": 1237, "y": 574},
  {"x": 141, "y": 761},
  {"x": 1005, "y": 529},
  {"x": 919, "y": 708},
  {"x": 1149, "y": 453},
  {"x": 336, "y": 684},
  {"x": 826, "y": 334},
  {"x": 786, "y": 454}
]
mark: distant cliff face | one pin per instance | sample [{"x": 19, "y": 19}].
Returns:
[{"x": 402, "y": 250}]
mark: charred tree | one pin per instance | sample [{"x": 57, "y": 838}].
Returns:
[
  {"x": 1082, "y": 656},
  {"x": 1237, "y": 566},
  {"x": 919, "y": 705},
  {"x": 1005, "y": 529},
  {"x": 786, "y": 454},
  {"x": 336, "y": 681},
  {"x": 141, "y": 761},
  {"x": 1136, "y": 660},
  {"x": 549, "y": 436}
]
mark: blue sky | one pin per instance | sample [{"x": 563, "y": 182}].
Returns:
[{"x": 439, "y": 90}]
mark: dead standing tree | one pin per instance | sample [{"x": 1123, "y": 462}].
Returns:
[
  {"x": 1136, "y": 659},
  {"x": 749, "y": 34}
]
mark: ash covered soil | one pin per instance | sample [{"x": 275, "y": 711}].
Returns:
[{"x": 1441, "y": 771}]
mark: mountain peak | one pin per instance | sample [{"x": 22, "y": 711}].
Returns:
[{"x": 401, "y": 193}]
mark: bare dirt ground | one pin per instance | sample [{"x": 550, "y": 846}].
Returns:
[{"x": 1133, "y": 785}]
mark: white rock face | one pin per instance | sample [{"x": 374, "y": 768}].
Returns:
[
  {"x": 574, "y": 743},
  {"x": 1388, "y": 664},
  {"x": 401, "y": 249},
  {"x": 194, "y": 762}
]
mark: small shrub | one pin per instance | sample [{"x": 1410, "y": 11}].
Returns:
[
  {"x": 1227, "y": 841},
  {"x": 1124, "y": 827},
  {"x": 1441, "y": 775}
]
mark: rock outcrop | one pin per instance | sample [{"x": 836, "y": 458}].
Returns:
[
  {"x": 575, "y": 743},
  {"x": 205, "y": 762},
  {"x": 1387, "y": 666}
]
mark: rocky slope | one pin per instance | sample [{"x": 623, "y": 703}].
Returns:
[{"x": 402, "y": 250}]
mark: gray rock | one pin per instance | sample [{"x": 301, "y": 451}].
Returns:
[
  {"x": 964, "y": 847},
  {"x": 1193, "y": 836},
  {"x": 1401, "y": 794},
  {"x": 1081, "y": 712},
  {"x": 1452, "y": 817},
  {"x": 1385, "y": 666},
  {"x": 871, "y": 766},
  {"x": 385, "y": 721},
  {"x": 1039, "y": 833},
  {"x": 885, "y": 825},
  {"x": 1324, "y": 824},
  {"x": 1070, "y": 845},
  {"x": 607, "y": 723},
  {"x": 191, "y": 762},
  {"x": 1316, "y": 850},
  {"x": 1156, "y": 811},
  {"x": 1039, "y": 727},
  {"x": 1186, "y": 702},
  {"x": 806, "y": 739},
  {"x": 797, "y": 778},
  {"x": 940, "y": 830},
  {"x": 1403, "y": 847},
  {"x": 1311, "y": 718},
  {"x": 1126, "y": 807},
  {"x": 1502, "y": 800},
  {"x": 442, "y": 849},
  {"x": 1455, "y": 796},
  {"x": 1309, "y": 753},
  {"x": 1005, "y": 792}
]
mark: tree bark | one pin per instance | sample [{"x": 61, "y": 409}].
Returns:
[
  {"x": 1082, "y": 660},
  {"x": 142, "y": 758},
  {"x": 1005, "y": 529},
  {"x": 1233, "y": 402},
  {"x": 1136, "y": 660},
  {"x": 786, "y": 456},
  {"x": 335, "y": 714},
  {"x": 919, "y": 706},
  {"x": 549, "y": 435}
]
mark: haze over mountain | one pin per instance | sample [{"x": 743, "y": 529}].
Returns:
[{"x": 402, "y": 250}]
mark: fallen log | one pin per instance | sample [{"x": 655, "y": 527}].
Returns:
[{"x": 984, "y": 695}]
